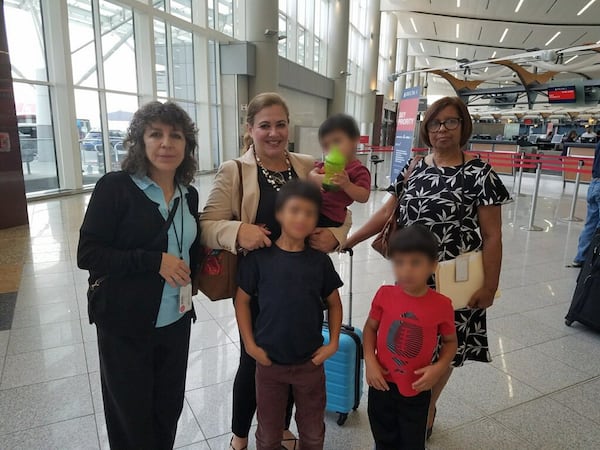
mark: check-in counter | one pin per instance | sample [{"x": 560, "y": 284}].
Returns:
[
  {"x": 486, "y": 145},
  {"x": 585, "y": 150}
]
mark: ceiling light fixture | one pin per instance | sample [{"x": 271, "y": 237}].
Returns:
[
  {"x": 519, "y": 5},
  {"x": 571, "y": 59},
  {"x": 456, "y": 52},
  {"x": 494, "y": 55},
  {"x": 457, "y": 30},
  {"x": 412, "y": 21},
  {"x": 486, "y": 69},
  {"x": 422, "y": 48},
  {"x": 557, "y": 34},
  {"x": 458, "y": 3},
  {"x": 503, "y": 35},
  {"x": 427, "y": 61},
  {"x": 590, "y": 3}
]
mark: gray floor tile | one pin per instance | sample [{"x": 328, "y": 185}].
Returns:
[
  {"x": 212, "y": 365},
  {"x": 207, "y": 334},
  {"x": 197, "y": 446},
  {"x": 229, "y": 325},
  {"x": 202, "y": 314},
  {"x": 573, "y": 351},
  {"x": 91, "y": 356},
  {"x": 96, "y": 389},
  {"x": 551, "y": 425},
  {"x": 43, "y": 365},
  {"x": 43, "y": 337},
  {"x": 33, "y": 287},
  {"x": 583, "y": 398},
  {"x": 212, "y": 408},
  {"x": 3, "y": 342},
  {"x": 539, "y": 371},
  {"x": 188, "y": 430},
  {"x": 485, "y": 434},
  {"x": 31, "y": 269},
  {"x": 7, "y": 310},
  {"x": 488, "y": 388},
  {"x": 74, "y": 434},
  {"x": 524, "y": 329},
  {"x": 552, "y": 316},
  {"x": 32, "y": 316},
  {"x": 44, "y": 403},
  {"x": 500, "y": 344},
  {"x": 454, "y": 411},
  {"x": 222, "y": 308},
  {"x": 88, "y": 331}
]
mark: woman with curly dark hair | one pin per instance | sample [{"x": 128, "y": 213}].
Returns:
[{"x": 139, "y": 240}]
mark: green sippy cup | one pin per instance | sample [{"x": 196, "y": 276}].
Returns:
[{"x": 335, "y": 163}]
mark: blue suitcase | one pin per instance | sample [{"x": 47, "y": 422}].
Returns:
[{"x": 344, "y": 370}]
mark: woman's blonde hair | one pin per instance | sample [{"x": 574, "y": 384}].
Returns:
[{"x": 256, "y": 105}]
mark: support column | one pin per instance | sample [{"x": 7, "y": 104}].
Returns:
[
  {"x": 13, "y": 204},
  {"x": 60, "y": 73},
  {"x": 262, "y": 29},
  {"x": 401, "y": 64},
  {"x": 392, "y": 60},
  {"x": 337, "y": 52},
  {"x": 371, "y": 61},
  {"x": 411, "y": 78}
]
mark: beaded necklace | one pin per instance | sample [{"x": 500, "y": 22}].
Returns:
[{"x": 275, "y": 179}]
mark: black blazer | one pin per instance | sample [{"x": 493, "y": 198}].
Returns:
[{"x": 121, "y": 243}]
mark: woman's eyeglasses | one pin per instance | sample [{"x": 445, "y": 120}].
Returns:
[{"x": 433, "y": 126}]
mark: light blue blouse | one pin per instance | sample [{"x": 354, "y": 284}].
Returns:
[{"x": 168, "y": 312}]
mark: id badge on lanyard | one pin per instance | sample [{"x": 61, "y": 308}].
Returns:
[{"x": 185, "y": 292}]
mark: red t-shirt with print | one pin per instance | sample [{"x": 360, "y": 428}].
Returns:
[
  {"x": 335, "y": 202},
  {"x": 408, "y": 332}
]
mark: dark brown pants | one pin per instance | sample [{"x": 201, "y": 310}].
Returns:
[{"x": 272, "y": 389}]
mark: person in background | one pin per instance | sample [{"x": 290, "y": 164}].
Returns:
[
  {"x": 354, "y": 182},
  {"x": 572, "y": 136},
  {"x": 290, "y": 281},
  {"x": 400, "y": 339},
  {"x": 459, "y": 199},
  {"x": 266, "y": 167},
  {"x": 588, "y": 133},
  {"x": 592, "y": 220},
  {"x": 139, "y": 240}
]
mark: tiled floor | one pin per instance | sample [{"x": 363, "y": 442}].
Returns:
[{"x": 541, "y": 392}]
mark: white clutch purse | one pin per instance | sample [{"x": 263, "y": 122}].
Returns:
[{"x": 460, "y": 278}]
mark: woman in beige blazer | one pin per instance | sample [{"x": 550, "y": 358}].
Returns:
[{"x": 265, "y": 166}]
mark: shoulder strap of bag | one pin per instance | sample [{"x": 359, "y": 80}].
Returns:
[
  {"x": 409, "y": 172},
  {"x": 241, "y": 185}
]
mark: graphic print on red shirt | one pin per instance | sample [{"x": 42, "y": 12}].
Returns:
[{"x": 408, "y": 332}]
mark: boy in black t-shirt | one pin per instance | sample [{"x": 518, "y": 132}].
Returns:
[{"x": 290, "y": 279}]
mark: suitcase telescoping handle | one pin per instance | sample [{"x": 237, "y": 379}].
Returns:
[{"x": 350, "y": 289}]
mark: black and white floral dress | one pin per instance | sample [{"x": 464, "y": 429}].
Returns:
[{"x": 430, "y": 202}]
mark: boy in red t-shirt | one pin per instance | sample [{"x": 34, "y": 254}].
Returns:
[
  {"x": 400, "y": 338},
  {"x": 354, "y": 182}
]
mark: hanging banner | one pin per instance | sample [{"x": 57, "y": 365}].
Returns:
[{"x": 405, "y": 129}]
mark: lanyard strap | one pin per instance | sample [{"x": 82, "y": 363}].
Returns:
[{"x": 179, "y": 242}]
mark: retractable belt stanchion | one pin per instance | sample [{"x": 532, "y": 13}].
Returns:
[
  {"x": 517, "y": 188},
  {"x": 572, "y": 217},
  {"x": 536, "y": 189}
]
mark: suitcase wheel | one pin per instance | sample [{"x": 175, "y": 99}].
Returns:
[
  {"x": 568, "y": 322},
  {"x": 342, "y": 417}
]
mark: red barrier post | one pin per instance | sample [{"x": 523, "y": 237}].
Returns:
[{"x": 517, "y": 191}]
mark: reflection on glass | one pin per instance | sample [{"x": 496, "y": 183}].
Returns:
[
  {"x": 160, "y": 45},
  {"x": 36, "y": 137},
  {"x": 120, "y": 109},
  {"x": 316, "y": 54},
  {"x": 301, "y": 45},
  {"x": 182, "y": 8},
  {"x": 25, "y": 39},
  {"x": 118, "y": 47},
  {"x": 90, "y": 135},
  {"x": 282, "y": 44},
  {"x": 83, "y": 48},
  {"x": 183, "y": 64},
  {"x": 220, "y": 15}
]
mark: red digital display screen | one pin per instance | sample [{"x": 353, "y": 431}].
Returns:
[
  {"x": 565, "y": 94},
  {"x": 528, "y": 122}
]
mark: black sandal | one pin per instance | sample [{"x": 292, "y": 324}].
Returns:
[
  {"x": 283, "y": 447},
  {"x": 231, "y": 447},
  {"x": 430, "y": 429}
]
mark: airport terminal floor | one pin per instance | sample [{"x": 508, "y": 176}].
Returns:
[{"x": 541, "y": 391}]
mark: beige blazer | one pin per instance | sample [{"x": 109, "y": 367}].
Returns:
[{"x": 221, "y": 219}]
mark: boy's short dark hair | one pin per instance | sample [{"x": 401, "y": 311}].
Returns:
[
  {"x": 414, "y": 239},
  {"x": 340, "y": 122},
  {"x": 301, "y": 189}
]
